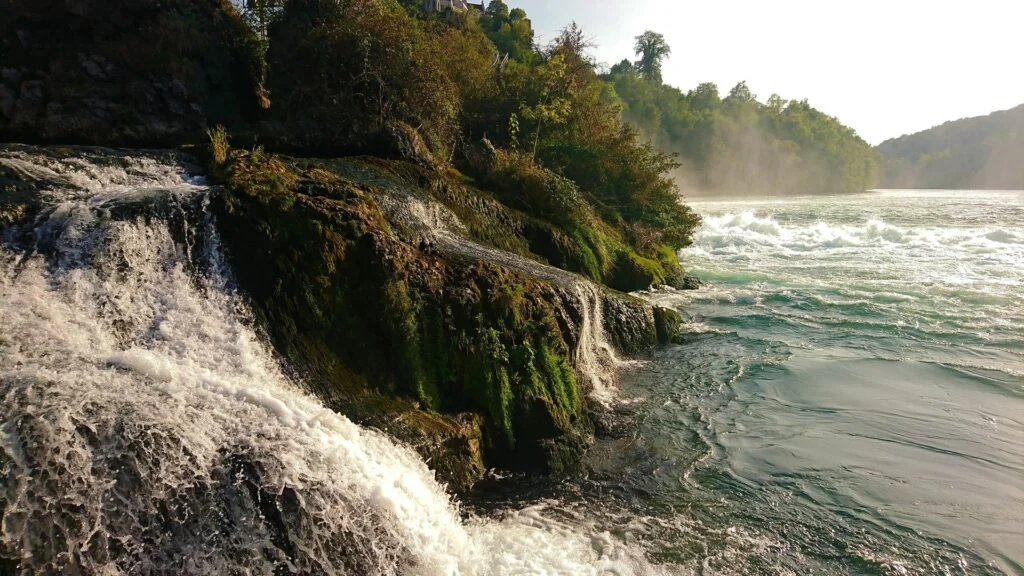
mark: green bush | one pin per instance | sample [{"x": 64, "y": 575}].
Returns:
[
  {"x": 219, "y": 145},
  {"x": 525, "y": 185}
]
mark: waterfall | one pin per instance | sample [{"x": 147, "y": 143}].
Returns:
[
  {"x": 146, "y": 428},
  {"x": 596, "y": 359}
]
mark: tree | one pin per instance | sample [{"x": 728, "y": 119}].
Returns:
[
  {"x": 652, "y": 49},
  {"x": 498, "y": 10},
  {"x": 572, "y": 40},
  {"x": 341, "y": 72},
  {"x": 624, "y": 67},
  {"x": 742, "y": 105},
  {"x": 705, "y": 95},
  {"x": 511, "y": 32},
  {"x": 260, "y": 14},
  {"x": 741, "y": 93},
  {"x": 776, "y": 104},
  {"x": 553, "y": 100}
]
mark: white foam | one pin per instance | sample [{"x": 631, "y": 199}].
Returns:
[
  {"x": 743, "y": 230},
  {"x": 596, "y": 359},
  {"x": 1003, "y": 237}
]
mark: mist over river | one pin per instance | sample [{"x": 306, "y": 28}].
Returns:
[{"x": 850, "y": 399}]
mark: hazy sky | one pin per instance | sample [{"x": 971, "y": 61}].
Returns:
[{"x": 883, "y": 67}]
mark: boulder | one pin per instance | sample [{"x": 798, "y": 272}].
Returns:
[{"x": 399, "y": 141}]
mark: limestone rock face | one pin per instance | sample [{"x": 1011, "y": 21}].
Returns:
[{"x": 123, "y": 72}]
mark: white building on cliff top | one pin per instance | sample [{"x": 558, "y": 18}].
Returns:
[{"x": 453, "y": 5}]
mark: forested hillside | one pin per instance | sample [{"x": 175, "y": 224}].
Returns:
[
  {"x": 982, "y": 152},
  {"x": 737, "y": 144}
]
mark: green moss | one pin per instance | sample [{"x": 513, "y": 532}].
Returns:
[
  {"x": 559, "y": 374},
  {"x": 634, "y": 272},
  {"x": 486, "y": 219},
  {"x": 401, "y": 321},
  {"x": 436, "y": 349},
  {"x": 490, "y": 386},
  {"x": 667, "y": 322},
  {"x": 675, "y": 276}
]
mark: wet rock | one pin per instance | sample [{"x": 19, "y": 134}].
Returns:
[
  {"x": 667, "y": 323},
  {"x": 7, "y": 102},
  {"x": 630, "y": 323},
  {"x": 78, "y": 7},
  {"x": 691, "y": 283},
  {"x": 10, "y": 76},
  {"x": 96, "y": 66},
  {"x": 28, "y": 108}
]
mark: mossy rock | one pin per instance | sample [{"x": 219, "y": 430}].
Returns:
[
  {"x": 630, "y": 323},
  {"x": 357, "y": 306},
  {"x": 450, "y": 444},
  {"x": 633, "y": 272},
  {"x": 668, "y": 323}
]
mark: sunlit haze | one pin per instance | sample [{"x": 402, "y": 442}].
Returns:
[{"x": 885, "y": 68}]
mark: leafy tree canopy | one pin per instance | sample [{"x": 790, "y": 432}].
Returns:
[
  {"x": 972, "y": 153},
  {"x": 652, "y": 49}
]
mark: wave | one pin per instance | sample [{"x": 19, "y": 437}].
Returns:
[
  {"x": 1004, "y": 237},
  {"x": 748, "y": 229}
]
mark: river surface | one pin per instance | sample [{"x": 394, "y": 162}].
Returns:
[{"x": 850, "y": 396}]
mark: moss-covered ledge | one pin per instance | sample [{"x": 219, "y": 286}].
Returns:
[{"x": 467, "y": 360}]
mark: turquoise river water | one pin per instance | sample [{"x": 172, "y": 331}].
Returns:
[{"x": 850, "y": 397}]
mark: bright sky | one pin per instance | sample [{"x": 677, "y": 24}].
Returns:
[{"x": 883, "y": 67}]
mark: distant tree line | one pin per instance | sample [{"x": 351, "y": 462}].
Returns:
[
  {"x": 736, "y": 143},
  {"x": 972, "y": 153}
]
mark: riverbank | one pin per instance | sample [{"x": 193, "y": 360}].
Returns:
[{"x": 150, "y": 427}]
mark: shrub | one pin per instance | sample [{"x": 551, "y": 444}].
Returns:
[
  {"x": 525, "y": 185},
  {"x": 219, "y": 146}
]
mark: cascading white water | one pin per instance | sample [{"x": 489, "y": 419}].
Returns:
[
  {"x": 146, "y": 429},
  {"x": 595, "y": 358}
]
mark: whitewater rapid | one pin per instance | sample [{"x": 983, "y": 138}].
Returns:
[
  {"x": 936, "y": 275},
  {"x": 147, "y": 429}
]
